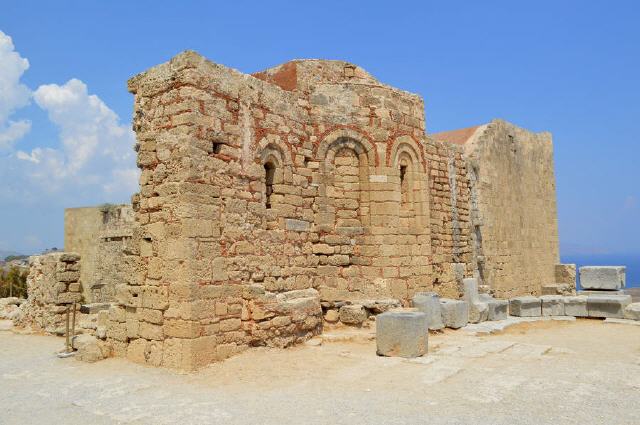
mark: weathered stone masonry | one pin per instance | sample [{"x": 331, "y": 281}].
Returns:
[
  {"x": 256, "y": 192},
  {"x": 267, "y": 198}
]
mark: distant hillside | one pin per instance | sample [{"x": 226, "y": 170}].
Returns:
[{"x": 4, "y": 254}]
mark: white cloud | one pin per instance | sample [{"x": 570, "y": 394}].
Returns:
[
  {"x": 15, "y": 130},
  {"x": 93, "y": 142},
  {"x": 13, "y": 94},
  {"x": 92, "y": 159}
]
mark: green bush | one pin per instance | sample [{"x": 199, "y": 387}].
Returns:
[{"x": 13, "y": 282}]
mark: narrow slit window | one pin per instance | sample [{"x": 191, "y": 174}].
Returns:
[
  {"x": 403, "y": 183},
  {"x": 269, "y": 173}
]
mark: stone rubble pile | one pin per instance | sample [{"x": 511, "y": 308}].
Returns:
[
  {"x": 53, "y": 285},
  {"x": 10, "y": 308},
  {"x": 357, "y": 313}
]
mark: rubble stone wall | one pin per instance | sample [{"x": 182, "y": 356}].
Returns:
[
  {"x": 261, "y": 196},
  {"x": 53, "y": 284}
]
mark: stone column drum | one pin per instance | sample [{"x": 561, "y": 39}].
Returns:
[{"x": 402, "y": 334}]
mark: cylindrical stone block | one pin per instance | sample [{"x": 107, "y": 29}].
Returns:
[{"x": 402, "y": 334}]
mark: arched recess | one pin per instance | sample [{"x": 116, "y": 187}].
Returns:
[
  {"x": 343, "y": 135},
  {"x": 410, "y": 146},
  {"x": 345, "y": 164},
  {"x": 407, "y": 163},
  {"x": 272, "y": 161},
  {"x": 269, "y": 145}
]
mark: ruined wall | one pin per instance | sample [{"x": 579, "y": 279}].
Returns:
[
  {"x": 52, "y": 285},
  {"x": 103, "y": 237},
  {"x": 81, "y": 229},
  {"x": 516, "y": 234},
  {"x": 261, "y": 196}
]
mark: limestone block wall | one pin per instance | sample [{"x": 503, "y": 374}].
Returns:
[
  {"x": 52, "y": 285},
  {"x": 81, "y": 229},
  {"x": 261, "y": 196},
  {"x": 102, "y": 236},
  {"x": 514, "y": 204}
]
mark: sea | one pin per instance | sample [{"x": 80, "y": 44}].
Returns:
[{"x": 631, "y": 261}]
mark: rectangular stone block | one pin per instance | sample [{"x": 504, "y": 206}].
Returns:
[
  {"x": 402, "y": 334},
  {"x": 297, "y": 225},
  {"x": 603, "y": 277},
  {"x": 576, "y": 306},
  {"x": 455, "y": 313},
  {"x": 552, "y": 305},
  {"x": 478, "y": 311},
  {"x": 429, "y": 304},
  {"x": 607, "y": 305},
  {"x": 526, "y": 306},
  {"x": 498, "y": 310}
]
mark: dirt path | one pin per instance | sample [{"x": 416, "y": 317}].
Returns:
[{"x": 583, "y": 372}]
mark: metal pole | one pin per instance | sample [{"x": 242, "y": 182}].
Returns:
[
  {"x": 73, "y": 325},
  {"x": 67, "y": 332}
]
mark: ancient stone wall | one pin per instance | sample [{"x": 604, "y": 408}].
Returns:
[
  {"x": 514, "y": 208},
  {"x": 81, "y": 229},
  {"x": 103, "y": 237},
  {"x": 52, "y": 286},
  {"x": 263, "y": 195}
]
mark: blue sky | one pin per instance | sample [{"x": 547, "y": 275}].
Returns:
[{"x": 569, "y": 67}]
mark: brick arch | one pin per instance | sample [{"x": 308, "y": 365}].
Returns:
[
  {"x": 350, "y": 139},
  {"x": 270, "y": 149},
  {"x": 406, "y": 145}
]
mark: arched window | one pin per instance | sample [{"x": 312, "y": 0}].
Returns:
[
  {"x": 405, "y": 183},
  {"x": 269, "y": 174}
]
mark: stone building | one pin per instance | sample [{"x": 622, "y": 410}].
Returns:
[{"x": 267, "y": 198}]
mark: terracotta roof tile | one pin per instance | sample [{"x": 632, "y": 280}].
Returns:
[{"x": 458, "y": 137}]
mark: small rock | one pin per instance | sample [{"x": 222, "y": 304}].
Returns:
[
  {"x": 9, "y": 301},
  {"x": 381, "y": 305},
  {"x": 314, "y": 342},
  {"x": 353, "y": 314},
  {"x": 332, "y": 316},
  {"x": 89, "y": 349},
  {"x": 632, "y": 311},
  {"x": 101, "y": 332}
]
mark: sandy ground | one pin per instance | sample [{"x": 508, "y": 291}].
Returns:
[{"x": 582, "y": 372}]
